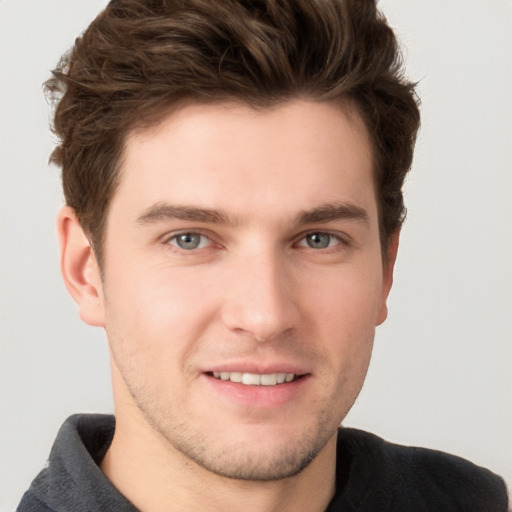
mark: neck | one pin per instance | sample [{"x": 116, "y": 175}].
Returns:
[{"x": 157, "y": 478}]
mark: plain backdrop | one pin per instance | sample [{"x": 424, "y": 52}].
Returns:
[{"x": 441, "y": 374}]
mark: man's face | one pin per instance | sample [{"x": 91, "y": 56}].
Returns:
[{"x": 243, "y": 245}]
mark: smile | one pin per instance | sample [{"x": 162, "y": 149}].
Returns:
[{"x": 254, "y": 379}]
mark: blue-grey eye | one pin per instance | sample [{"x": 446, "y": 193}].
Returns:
[
  {"x": 319, "y": 240},
  {"x": 189, "y": 241}
]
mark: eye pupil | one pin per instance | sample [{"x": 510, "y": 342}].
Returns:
[
  {"x": 188, "y": 241},
  {"x": 318, "y": 240}
]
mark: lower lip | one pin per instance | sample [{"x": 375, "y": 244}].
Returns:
[{"x": 264, "y": 397}]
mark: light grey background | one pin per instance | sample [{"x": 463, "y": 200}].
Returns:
[{"x": 441, "y": 375}]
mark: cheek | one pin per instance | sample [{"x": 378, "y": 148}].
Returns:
[
  {"x": 347, "y": 301},
  {"x": 154, "y": 320},
  {"x": 346, "y": 310}
]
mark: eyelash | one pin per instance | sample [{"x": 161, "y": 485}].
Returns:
[
  {"x": 301, "y": 241},
  {"x": 175, "y": 236},
  {"x": 332, "y": 237}
]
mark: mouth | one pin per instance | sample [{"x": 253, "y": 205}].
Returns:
[
  {"x": 271, "y": 389},
  {"x": 256, "y": 379}
]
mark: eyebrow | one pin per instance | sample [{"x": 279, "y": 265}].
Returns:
[
  {"x": 333, "y": 211},
  {"x": 160, "y": 212},
  {"x": 327, "y": 212}
]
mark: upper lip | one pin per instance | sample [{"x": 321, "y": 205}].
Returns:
[{"x": 258, "y": 368}]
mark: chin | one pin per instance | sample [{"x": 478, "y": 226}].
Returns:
[
  {"x": 256, "y": 455},
  {"x": 245, "y": 462}
]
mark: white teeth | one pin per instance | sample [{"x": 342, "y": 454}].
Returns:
[
  {"x": 269, "y": 380},
  {"x": 251, "y": 379},
  {"x": 254, "y": 379},
  {"x": 236, "y": 376}
]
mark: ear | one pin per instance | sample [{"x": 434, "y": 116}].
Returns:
[
  {"x": 79, "y": 268},
  {"x": 387, "y": 277}
]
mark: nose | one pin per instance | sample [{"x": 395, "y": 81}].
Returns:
[{"x": 260, "y": 300}]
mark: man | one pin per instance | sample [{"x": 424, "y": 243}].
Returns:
[{"x": 232, "y": 173}]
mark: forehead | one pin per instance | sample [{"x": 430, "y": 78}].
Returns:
[{"x": 290, "y": 157}]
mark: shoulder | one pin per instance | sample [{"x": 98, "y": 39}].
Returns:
[
  {"x": 72, "y": 479},
  {"x": 31, "y": 503},
  {"x": 429, "y": 479}
]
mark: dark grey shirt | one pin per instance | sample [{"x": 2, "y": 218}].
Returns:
[{"x": 372, "y": 476}]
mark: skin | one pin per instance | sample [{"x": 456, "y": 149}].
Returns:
[{"x": 287, "y": 276}]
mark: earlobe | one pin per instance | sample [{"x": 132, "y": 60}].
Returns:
[
  {"x": 79, "y": 268},
  {"x": 387, "y": 278}
]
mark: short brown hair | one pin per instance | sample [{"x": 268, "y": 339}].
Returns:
[{"x": 139, "y": 57}]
